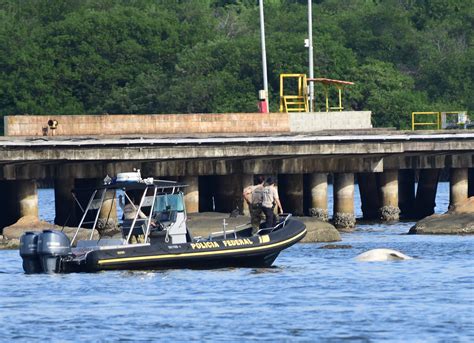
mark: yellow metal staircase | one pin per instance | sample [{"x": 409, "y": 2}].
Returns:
[{"x": 294, "y": 102}]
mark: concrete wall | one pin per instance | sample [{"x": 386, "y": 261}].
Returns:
[
  {"x": 79, "y": 125},
  {"x": 345, "y": 120}
]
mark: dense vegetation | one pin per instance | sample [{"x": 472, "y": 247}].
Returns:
[{"x": 178, "y": 56}]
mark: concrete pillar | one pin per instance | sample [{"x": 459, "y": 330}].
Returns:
[
  {"x": 406, "y": 193},
  {"x": 318, "y": 185},
  {"x": 290, "y": 188},
  {"x": 18, "y": 199},
  {"x": 247, "y": 180},
  {"x": 64, "y": 203},
  {"x": 369, "y": 196},
  {"x": 191, "y": 193},
  {"x": 228, "y": 193},
  {"x": 27, "y": 195},
  {"x": 389, "y": 210},
  {"x": 425, "y": 201},
  {"x": 458, "y": 187},
  {"x": 470, "y": 191},
  {"x": 344, "y": 218}
]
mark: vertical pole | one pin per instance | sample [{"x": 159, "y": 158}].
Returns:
[
  {"x": 264, "y": 53},
  {"x": 340, "y": 98},
  {"x": 311, "y": 67},
  {"x": 326, "y": 91}
]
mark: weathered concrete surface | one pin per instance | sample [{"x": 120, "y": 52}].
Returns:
[
  {"x": 74, "y": 125},
  {"x": 202, "y": 224},
  {"x": 458, "y": 221},
  {"x": 316, "y": 121}
]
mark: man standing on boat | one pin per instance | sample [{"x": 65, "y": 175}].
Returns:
[
  {"x": 253, "y": 196},
  {"x": 270, "y": 199}
]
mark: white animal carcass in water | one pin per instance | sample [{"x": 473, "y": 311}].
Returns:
[{"x": 376, "y": 255}]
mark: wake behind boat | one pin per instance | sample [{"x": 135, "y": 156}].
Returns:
[{"x": 153, "y": 234}]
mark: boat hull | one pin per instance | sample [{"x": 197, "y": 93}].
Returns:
[{"x": 253, "y": 252}]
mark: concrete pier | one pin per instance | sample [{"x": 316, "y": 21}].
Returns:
[
  {"x": 458, "y": 185},
  {"x": 219, "y": 159},
  {"x": 406, "y": 193},
  {"x": 344, "y": 218},
  {"x": 369, "y": 195},
  {"x": 290, "y": 189},
  {"x": 27, "y": 195},
  {"x": 389, "y": 210},
  {"x": 425, "y": 201},
  {"x": 191, "y": 193},
  {"x": 18, "y": 199},
  {"x": 318, "y": 185}
]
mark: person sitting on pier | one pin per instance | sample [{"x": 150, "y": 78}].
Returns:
[
  {"x": 253, "y": 196},
  {"x": 270, "y": 199}
]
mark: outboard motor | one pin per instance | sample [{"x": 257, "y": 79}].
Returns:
[
  {"x": 52, "y": 245},
  {"x": 29, "y": 254}
]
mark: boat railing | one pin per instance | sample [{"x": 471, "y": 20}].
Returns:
[{"x": 280, "y": 225}]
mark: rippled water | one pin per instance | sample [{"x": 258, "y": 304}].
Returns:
[{"x": 310, "y": 294}]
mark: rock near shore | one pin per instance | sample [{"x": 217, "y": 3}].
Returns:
[
  {"x": 459, "y": 220},
  {"x": 31, "y": 223}
]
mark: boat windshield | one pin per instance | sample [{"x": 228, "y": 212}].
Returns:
[{"x": 169, "y": 202}]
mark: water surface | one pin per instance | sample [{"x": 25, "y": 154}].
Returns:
[{"x": 311, "y": 294}]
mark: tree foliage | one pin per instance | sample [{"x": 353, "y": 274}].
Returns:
[{"x": 157, "y": 56}]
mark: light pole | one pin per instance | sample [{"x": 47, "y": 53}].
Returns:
[
  {"x": 264, "y": 55},
  {"x": 310, "y": 48}
]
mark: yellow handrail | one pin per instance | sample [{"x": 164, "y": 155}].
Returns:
[{"x": 414, "y": 123}]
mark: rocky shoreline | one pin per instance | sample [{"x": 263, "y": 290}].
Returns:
[{"x": 459, "y": 220}]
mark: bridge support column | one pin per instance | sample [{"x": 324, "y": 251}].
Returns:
[
  {"x": 389, "y": 195},
  {"x": 406, "y": 192},
  {"x": 290, "y": 187},
  {"x": 471, "y": 183},
  {"x": 64, "y": 203},
  {"x": 191, "y": 193},
  {"x": 27, "y": 196},
  {"x": 458, "y": 187},
  {"x": 344, "y": 218},
  {"x": 247, "y": 180},
  {"x": 426, "y": 193},
  {"x": 19, "y": 199},
  {"x": 318, "y": 184},
  {"x": 369, "y": 195}
]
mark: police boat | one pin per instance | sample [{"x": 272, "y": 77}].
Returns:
[{"x": 154, "y": 235}]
